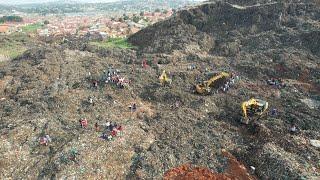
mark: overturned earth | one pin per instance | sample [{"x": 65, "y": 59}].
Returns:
[{"x": 46, "y": 91}]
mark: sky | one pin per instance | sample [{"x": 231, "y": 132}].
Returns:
[{"x": 45, "y": 1}]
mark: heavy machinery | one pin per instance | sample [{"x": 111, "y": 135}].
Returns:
[
  {"x": 253, "y": 107},
  {"x": 216, "y": 81},
  {"x": 164, "y": 79}
]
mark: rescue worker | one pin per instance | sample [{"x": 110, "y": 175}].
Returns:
[
  {"x": 274, "y": 112},
  {"x": 95, "y": 84},
  {"x": 293, "y": 129},
  {"x": 96, "y": 126},
  {"x": 83, "y": 123},
  {"x": 119, "y": 128},
  {"x": 133, "y": 107},
  {"x": 144, "y": 63},
  {"x": 104, "y": 136},
  {"x": 121, "y": 83},
  {"x": 155, "y": 60},
  {"x": 91, "y": 101},
  {"x": 107, "y": 124},
  {"x": 114, "y": 133},
  {"x": 45, "y": 140}
]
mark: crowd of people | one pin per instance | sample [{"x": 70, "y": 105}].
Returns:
[
  {"x": 230, "y": 82},
  {"x": 276, "y": 82},
  {"x": 113, "y": 77}
]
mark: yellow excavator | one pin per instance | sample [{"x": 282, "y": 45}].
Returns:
[
  {"x": 253, "y": 107},
  {"x": 164, "y": 79},
  {"x": 216, "y": 81}
]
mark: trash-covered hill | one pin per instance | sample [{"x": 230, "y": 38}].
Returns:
[
  {"x": 48, "y": 89},
  {"x": 259, "y": 41}
]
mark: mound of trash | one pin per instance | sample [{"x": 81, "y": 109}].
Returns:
[{"x": 70, "y": 110}]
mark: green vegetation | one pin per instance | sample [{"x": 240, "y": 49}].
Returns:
[
  {"x": 14, "y": 46},
  {"x": 136, "y": 19},
  {"x": 10, "y": 19},
  {"x": 32, "y": 27},
  {"x": 11, "y": 49},
  {"x": 114, "y": 43}
]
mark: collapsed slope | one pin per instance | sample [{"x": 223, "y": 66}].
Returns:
[
  {"x": 259, "y": 41},
  {"x": 45, "y": 91}
]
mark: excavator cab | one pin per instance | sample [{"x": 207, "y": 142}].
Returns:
[
  {"x": 164, "y": 79},
  {"x": 253, "y": 108},
  {"x": 215, "y": 82}
]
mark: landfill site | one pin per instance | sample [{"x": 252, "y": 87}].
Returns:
[{"x": 223, "y": 90}]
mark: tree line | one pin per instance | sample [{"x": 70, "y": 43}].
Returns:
[{"x": 4, "y": 19}]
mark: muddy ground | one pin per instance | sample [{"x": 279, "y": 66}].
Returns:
[{"x": 46, "y": 91}]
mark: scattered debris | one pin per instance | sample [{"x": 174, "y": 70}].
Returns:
[
  {"x": 312, "y": 104},
  {"x": 315, "y": 143}
]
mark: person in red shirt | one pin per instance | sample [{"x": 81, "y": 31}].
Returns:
[
  {"x": 144, "y": 63},
  {"x": 113, "y": 133},
  {"x": 119, "y": 128}
]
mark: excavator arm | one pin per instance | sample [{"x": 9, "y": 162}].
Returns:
[
  {"x": 213, "y": 79},
  {"x": 206, "y": 85}
]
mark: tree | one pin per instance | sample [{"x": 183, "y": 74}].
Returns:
[
  {"x": 135, "y": 19},
  {"x": 165, "y": 11},
  {"x": 141, "y": 13},
  {"x": 11, "y": 19},
  {"x": 125, "y": 17},
  {"x": 46, "y": 22},
  {"x": 157, "y": 10}
]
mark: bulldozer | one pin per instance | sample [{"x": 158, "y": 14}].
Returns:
[
  {"x": 164, "y": 79},
  {"x": 253, "y": 108},
  {"x": 216, "y": 81}
]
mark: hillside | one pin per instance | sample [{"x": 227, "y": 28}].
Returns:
[{"x": 46, "y": 91}]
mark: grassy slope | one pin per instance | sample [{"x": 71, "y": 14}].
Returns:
[
  {"x": 13, "y": 47},
  {"x": 32, "y": 27},
  {"x": 114, "y": 43}
]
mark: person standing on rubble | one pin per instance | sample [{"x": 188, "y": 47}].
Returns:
[
  {"x": 91, "y": 101},
  {"x": 95, "y": 84},
  {"x": 133, "y": 107},
  {"x": 45, "y": 140},
  {"x": 293, "y": 129},
  {"x": 96, "y": 126},
  {"x": 83, "y": 123},
  {"x": 144, "y": 63}
]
